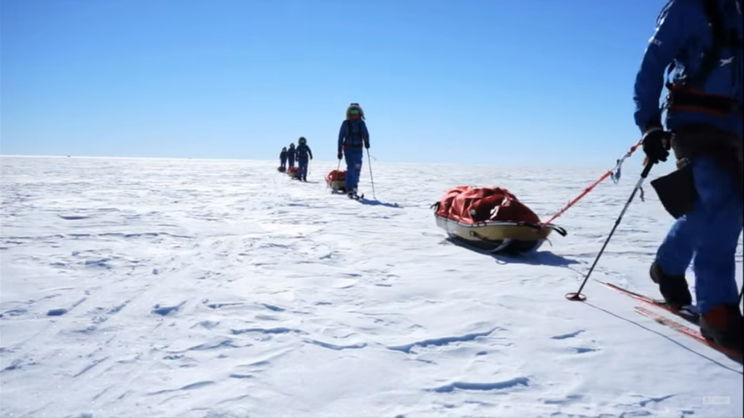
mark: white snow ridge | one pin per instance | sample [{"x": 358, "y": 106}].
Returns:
[{"x": 205, "y": 288}]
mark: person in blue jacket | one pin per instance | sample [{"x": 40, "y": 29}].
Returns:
[
  {"x": 283, "y": 159},
  {"x": 303, "y": 153},
  {"x": 698, "y": 45},
  {"x": 291, "y": 154},
  {"x": 352, "y": 136}
]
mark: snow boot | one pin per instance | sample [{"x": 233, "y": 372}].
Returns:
[
  {"x": 723, "y": 325},
  {"x": 674, "y": 288}
]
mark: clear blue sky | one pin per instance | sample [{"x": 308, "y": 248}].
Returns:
[{"x": 472, "y": 81}]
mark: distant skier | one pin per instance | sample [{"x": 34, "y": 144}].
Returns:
[
  {"x": 699, "y": 45},
  {"x": 303, "y": 153},
  {"x": 352, "y": 136},
  {"x": 283, "y": 159},
  {"x": 291, "y": 153}
]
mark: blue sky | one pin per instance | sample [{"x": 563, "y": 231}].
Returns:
[{"x": 487, "y": 82}]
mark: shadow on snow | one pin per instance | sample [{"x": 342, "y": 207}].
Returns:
[
  {"x": 542, "y": 258},
  {"x": 372, "y": 202}
]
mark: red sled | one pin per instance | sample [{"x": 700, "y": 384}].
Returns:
[
  {"x": 491, "y": 218},
  {"x": 336, "y": 180},
  {"x": 292, "y": 172}
]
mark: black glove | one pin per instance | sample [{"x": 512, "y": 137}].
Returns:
[
  {"x": 656, "y": 144},
  {"x": 366, "y": 144},
  {"x": 340, "y": 155}
]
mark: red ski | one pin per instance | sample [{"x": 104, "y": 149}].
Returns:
[
  {"x": 688, "y": 313},
  {"x": 684, "y": 329}
]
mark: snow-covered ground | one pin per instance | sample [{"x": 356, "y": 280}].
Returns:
[{"x": 156, "y": 287}]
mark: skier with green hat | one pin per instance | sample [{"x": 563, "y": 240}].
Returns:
[{"x": 352, "y": 136}]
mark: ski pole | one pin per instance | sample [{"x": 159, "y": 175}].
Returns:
[
  {"x": 372, "y": 179},
  {"x": 577, "y": 296}
]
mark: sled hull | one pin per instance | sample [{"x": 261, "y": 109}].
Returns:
[
  {"x": 336, "y": 185},
  {"x": 510, "y": 237}
]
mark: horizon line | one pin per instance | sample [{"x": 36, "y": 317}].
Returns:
[{"x": 500, "y": 164}]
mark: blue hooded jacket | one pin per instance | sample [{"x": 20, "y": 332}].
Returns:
[
  {"x": 353, "y": 133},
  {"x": 303, "y": 151},
  {"x": 682, "y": 38}
]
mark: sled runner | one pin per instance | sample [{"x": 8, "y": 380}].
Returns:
[{"x": 491, "y": 218}]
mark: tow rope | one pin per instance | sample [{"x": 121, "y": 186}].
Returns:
[{"x": 615, "y": 173}]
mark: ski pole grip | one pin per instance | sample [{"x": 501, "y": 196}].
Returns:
[{"x": 646, "y": 169}]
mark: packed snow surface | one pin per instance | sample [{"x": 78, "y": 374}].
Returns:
[{"x": 155, "y": 287}]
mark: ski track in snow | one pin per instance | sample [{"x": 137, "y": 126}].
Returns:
[{"x": 164, "y": 287}]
